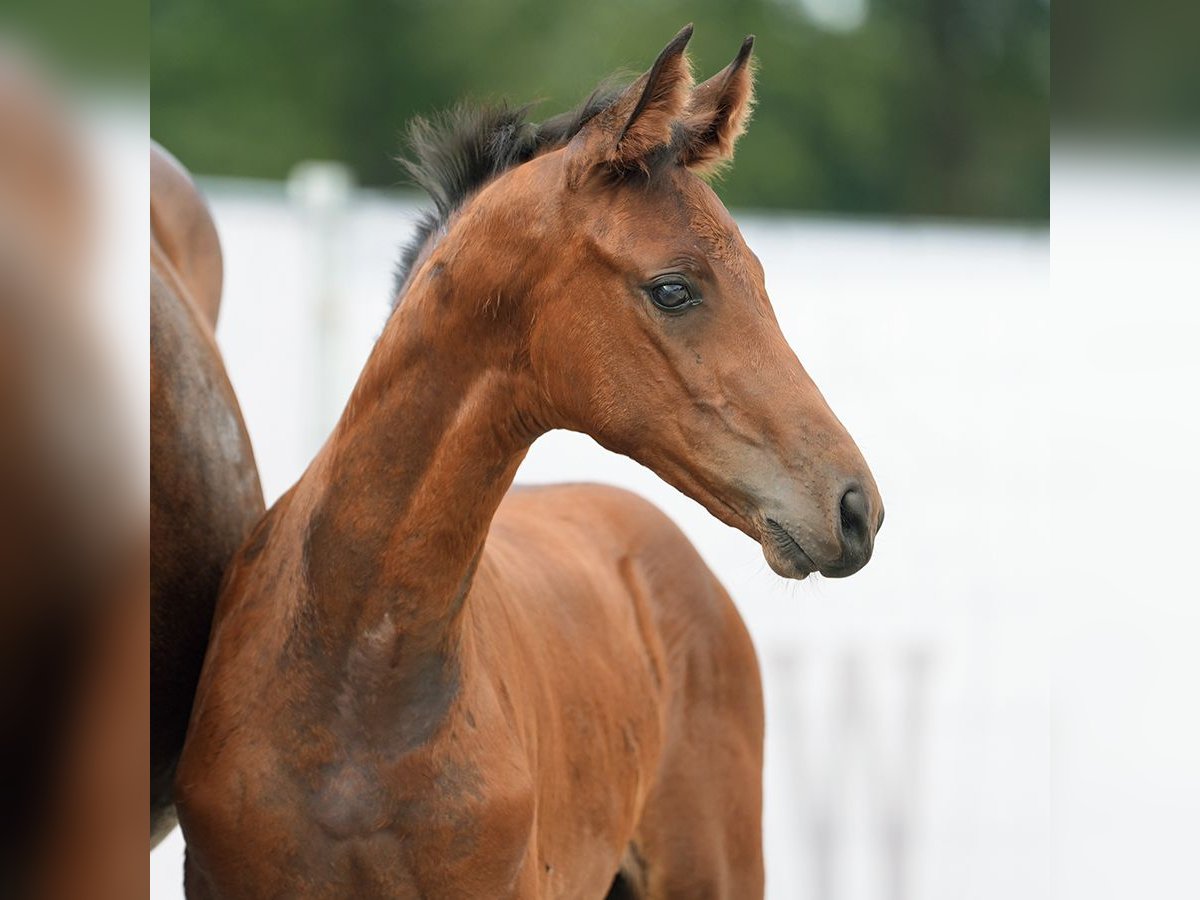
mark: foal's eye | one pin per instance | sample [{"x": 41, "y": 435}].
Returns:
[{"x": 672, "y": 295}]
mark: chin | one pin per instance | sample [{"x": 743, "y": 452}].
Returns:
[
  {"x": 783, "y": 553},
  {"x": 787, "y": 565}
]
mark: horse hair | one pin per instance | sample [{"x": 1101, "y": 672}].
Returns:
[{"x": 457, "y": 152}]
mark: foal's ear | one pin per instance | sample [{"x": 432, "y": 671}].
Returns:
[
  {"x": 718, "y": 113},
  {"x": 640, "y": 121}
]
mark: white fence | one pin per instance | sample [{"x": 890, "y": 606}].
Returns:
[{"x": 908, "y": 706}]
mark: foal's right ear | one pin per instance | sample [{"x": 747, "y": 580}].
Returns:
[
  {"x": 640, "y": 121},
  {"x": 718, "y": 113}
]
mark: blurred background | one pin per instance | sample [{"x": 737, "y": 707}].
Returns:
[
  {"x": 1126, "y": 621},
  {"x": 880, "y": 107},
  {"x": 895, "y": 184}
]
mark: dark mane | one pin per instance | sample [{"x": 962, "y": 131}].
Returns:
[{"x": 454, "y": 154}]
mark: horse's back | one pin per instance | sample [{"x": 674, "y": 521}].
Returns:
[
  {"x": 609, "y": 533},
  {"x": 611, "y": 559},
  {"x": 204, "y": 488},
  {"x": 699, "y": 827}
]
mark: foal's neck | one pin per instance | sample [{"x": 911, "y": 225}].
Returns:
[{"x": 407, "y": 487}]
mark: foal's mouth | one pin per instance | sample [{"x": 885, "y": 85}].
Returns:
[{"x": 789, "y": 549}]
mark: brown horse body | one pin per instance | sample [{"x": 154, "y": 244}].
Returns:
[
  {"x": 419, "y": 686},
  {"x": 204, "y": 489}
]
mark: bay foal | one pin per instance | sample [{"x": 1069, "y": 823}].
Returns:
[{"x": 421, "y": 687}]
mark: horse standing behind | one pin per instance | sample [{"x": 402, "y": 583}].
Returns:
[
  {"x": 421, "y": 684},
  {"x": 204, "y": 490}
]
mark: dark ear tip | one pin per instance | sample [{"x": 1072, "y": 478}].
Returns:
[
  {"x": 681, "y": 38},
  {"x": 747, "y": 46}
]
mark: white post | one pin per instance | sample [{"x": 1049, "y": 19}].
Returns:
[{"x": 323, "y": 191}]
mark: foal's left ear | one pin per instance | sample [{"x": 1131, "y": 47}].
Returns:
[
  {"x": 640, "y": 121},
  {"x": 718, "y": 113}
]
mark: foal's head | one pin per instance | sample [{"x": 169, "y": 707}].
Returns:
[{"x": 643, "y": 318}]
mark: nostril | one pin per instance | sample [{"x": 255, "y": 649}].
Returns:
[{"x": 855, "y": 529}]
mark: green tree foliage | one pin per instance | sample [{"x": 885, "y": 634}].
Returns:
[
  {"x": 1128, "y": 70},
  {"x": 929, "y": 107}
]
